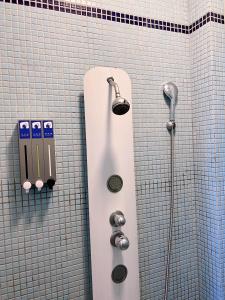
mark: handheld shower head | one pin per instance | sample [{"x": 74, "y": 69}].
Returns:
[
  {"x": 120, "y": 105},
  {"x": 170, "y": 90}
]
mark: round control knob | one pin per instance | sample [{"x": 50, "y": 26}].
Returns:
[
  {"x": 27, "y": 186},
  {"x": 39, "y": 184},
  {"x": 119, "y": 240},
  {"x": 117, "y": 219},
  {"x": 122, "y": 243}
]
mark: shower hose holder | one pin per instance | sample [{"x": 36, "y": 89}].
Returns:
[{"x": 170, "y": 125}]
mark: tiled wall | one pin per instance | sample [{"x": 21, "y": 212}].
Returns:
[
  {"x": 219, "y": 108},
  {"x": 45, "y": 252},
  {"x": 173, "y": 10},
  {"x": 203, "y": 125},
  {"x": 207, "y": 55},
  {"x": 200, "y": 7}
]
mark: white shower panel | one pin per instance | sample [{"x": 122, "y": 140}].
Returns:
[{"x": 110, "y": 152}]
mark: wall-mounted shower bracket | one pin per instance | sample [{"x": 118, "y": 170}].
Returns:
[{"x": 170, "y": 125}]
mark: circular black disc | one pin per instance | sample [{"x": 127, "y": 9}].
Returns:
[
  {"x": 121, "y": 109},
  {"x": 115, "y": 183},
  {"x": 119, "y": 273}
]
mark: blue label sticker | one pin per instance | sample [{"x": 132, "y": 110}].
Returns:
[
  {"x": 36, "y": 129},
  {"x": 24, "y": 129},
  {"x": 48, "y": 129}
]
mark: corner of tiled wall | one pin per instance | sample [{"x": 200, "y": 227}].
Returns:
[{"x": 208, "y": 132}]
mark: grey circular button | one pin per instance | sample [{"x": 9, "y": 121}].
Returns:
[
  {"x": 115, "y": 183},
  {"x": 119, "y": 274}
]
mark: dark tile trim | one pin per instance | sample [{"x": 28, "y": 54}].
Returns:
[
  {"x": 209, "y": 17},
  {"x": 103, "y": 14}
]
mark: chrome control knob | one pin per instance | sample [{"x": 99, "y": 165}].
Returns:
[
  {"x": 122, "y": 243},
  {"x": 119, "y": 240},
  {"x": 117, "y": 219}
]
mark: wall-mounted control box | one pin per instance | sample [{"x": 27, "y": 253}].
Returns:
[{"x": 37, "y": 154}]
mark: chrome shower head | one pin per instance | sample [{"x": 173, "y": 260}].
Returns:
[
  {"x": 120, "y": 105},
  {"x": 170, "y": 90}
]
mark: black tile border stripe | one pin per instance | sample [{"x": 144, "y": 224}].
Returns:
[
  {"x": 114, "y": 16},
  {"x": 209, "y": 17}
]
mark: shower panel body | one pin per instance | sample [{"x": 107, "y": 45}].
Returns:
[{"x": 110, "y": 152}]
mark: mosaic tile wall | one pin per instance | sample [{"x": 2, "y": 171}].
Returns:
[
  {"x": 176, "y": 11},
  {"x": 207, "y": 55},
  {"x": 219, "y": 109},
  {"x": 45, "y": 252},
  {"x": 198, "y": 8}
]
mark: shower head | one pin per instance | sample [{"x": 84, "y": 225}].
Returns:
[
  {"x": 170, "y": 90},
  {"x": 120, "y": 105}
]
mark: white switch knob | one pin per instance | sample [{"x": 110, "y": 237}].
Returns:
[
  {"x": 27, "y": 186},
  {"x": 39, "y": 184}
]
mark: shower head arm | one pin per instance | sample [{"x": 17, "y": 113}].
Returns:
[
  {"x": 120, "y": 105},
  {"x": 111, "y": 82}
]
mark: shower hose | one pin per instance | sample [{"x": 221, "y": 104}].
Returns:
[{"x": 170, "y": 238}]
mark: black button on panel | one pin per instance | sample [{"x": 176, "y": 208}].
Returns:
[
  {"x": 115, "y": 183},
  {"x": 50, "y": 183},
  {"x": 119, "y": 274}
]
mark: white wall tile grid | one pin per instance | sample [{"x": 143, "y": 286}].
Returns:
[{"x": 44, "y": 55}]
